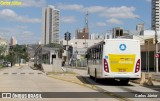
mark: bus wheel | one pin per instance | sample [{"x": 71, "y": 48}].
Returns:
[
  {"x": 124, "y": 81},
  {"x": 95, "y": 76},
  {"x": 91, "y": 77}
]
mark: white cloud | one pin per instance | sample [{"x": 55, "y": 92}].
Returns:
[
  {"x": 70, "y": 7},
  {"x": 27, "y": 34},
  {"x": 9, "y": 14},
  {"x": 21, "y": 27},
  {"x": 103, "y": 11},
  {"x": 95, "y": 9},
  {"x": 101, "y": 24},
  {"x": 31, "y": 3},
  {"x": 148, "y": 0},
  {"x": 34, "y": 3},
  {"x": 114, "y": 21},
  {"x": 27, "y": 37},
  {"x": 119, "y": 12},
  {"x": 68, "y": 19},
  {"x": 22, "y": 36}
]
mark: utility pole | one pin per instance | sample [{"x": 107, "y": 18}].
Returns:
[
  {"x": 67, "y": 37},
  {"x": 156, "y": 50}
]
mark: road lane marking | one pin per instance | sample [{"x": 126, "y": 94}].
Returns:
[
  {"x": 23, "y": 73},
  {"x": 5, "y": 73}
]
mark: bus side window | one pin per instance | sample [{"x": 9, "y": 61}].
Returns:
[
  {"x": 94, "y": 55},
  {"x": 87, "y": 56},
  {"x": 91, "y": 56},
  {"x": 101, "y": 51},
  {"x": 99, "y": 54}
]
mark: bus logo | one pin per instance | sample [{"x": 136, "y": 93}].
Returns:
[{"x": 122, "y": 47}]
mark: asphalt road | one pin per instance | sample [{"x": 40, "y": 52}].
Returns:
[
  {"x": 114, "y": 87},
  {"x": 24, "y": 79}
]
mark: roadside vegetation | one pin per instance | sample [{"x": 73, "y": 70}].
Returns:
[{"x": 13, "y": 54}]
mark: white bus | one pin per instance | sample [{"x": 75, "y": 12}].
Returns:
[{"x": 115, "y": 59}]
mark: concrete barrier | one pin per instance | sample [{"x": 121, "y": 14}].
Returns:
[
  {"x": 143, "y": 78},
  {"x": 51, "y": 68},
  {"x": 148, "y": 81},
  {"x": 17, "y": 65}
]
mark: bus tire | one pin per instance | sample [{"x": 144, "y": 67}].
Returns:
[
  {"x": 95, "y": 76},
  {"x": 91, "y": 77}
]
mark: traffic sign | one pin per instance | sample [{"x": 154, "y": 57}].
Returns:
[{"x": 156, "y": 55}]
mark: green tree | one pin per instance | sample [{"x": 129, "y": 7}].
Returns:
[
  {"x": 3, "y": 49},
  {"x": 17, "y": 52}
]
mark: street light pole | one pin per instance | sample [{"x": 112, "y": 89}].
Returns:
[
  {"x": 148, "y": 54},
  {"x": 67, "y": 37},
  {"x": 156, "y": 50}
]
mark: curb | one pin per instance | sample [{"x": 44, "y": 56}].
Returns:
[{"x": 93, "y": 87}]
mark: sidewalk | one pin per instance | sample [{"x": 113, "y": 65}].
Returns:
[{"x": 155, "y": 76}]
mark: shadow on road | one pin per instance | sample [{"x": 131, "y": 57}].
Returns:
[
  {"x": 155, "y": 87},
  {"x": 107, "y": 82}
]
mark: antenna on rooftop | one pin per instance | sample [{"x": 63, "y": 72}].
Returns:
[{"x": 86, "y": 19}]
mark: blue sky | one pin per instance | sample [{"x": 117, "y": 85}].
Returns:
[{"x": 24, "y": 22}]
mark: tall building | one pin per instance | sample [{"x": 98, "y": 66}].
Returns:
[
  {"x": 155, "y": 15},
  {"x": 13, "y": 41},
  {"x": 82, "y": 34},
  {"x": 140, "y": 27},
  {"x": 94, "y": 36},
  {"x": 50, "y": 25},
  {"x": 117, "y": 32}
]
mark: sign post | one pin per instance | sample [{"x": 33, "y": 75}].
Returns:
[
  {"x": 67, "y": 37},
  {"x": 156, "y": 55}
]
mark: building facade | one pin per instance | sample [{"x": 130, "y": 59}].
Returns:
[
  {"x": 155, "y": 15},
  {"x": 82, "y": 34},
  {"x": 50, "y": 25},
  {"x": 140, "y": 27},
  {"x": 13, "y": 41}
]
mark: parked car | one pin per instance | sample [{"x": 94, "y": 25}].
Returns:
[
  {"x": 9, "y": 64},
  {"x": 6, "y": 64}
]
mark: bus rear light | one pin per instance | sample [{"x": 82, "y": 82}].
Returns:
[
  {"x": 137, "y": 68},
  {"x": 106, "y": 66}
]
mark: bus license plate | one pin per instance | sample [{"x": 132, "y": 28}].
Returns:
[{"x": 122, "y": 70}]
